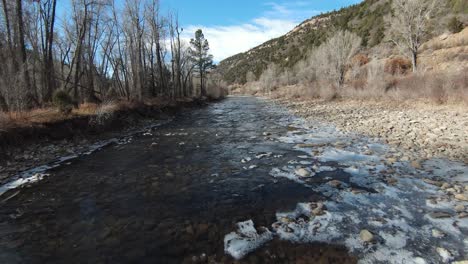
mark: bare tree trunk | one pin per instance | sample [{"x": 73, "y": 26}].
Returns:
[
  {"x": 414, "y": 61},
  {"x": 30, "y": 100},
  {"x": 8, "y": 25},
  {"x": 160, "y": 66},
  {"x": 3, "y": 103},
  {"x": 81, "y": 29},
  {"x": 202, "y": 88},
  {"x": 49, "y": 57}
]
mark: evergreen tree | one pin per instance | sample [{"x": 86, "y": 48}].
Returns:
[{"x": 199, "y": 55}]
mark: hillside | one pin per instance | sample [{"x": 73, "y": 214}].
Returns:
[{"x": 365, "y": 19}]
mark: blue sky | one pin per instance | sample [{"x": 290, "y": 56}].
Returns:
[{"x": 233, "y": 26}]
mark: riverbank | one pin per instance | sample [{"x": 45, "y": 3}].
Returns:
[
  {"x": 25, "y": 146},
  {"x": 423, "y": 130}
]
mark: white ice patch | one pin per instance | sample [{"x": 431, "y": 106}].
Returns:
[
  {"x": 345, "y": 157},
  {"x": 21, "y": 181},
  {"x": 245, "y": 240},
  {"x": 391, "y": 203},
  {"x": 278, "y": 173},
  {"x": 324, "y": 168},
  {"x": 396, "y": 241}
]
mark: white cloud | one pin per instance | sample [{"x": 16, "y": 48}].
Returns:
[{"x": 226, "y": 41}]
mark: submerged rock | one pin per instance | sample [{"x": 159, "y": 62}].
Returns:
[
  {"x": 438, "y": 215},
  {"x": 416, "y": 164},
  {"x": 459, "y": 208},
  {"x": 318, "y": 210},
  {"x": 335, "y": 183}
]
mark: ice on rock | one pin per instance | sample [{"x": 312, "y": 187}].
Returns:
[{"x": 245, "y": 240}]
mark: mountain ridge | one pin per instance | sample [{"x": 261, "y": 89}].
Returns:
[{"x": 366, "y": 19}]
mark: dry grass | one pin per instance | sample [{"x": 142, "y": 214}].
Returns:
[
  {"x": 439, "y": 88},
  {"x": 24, "y": 119},
  {"x": 51, "y": 115},
  {"x": 447, "y": 41},
  {"x": 436, "y": 88}
]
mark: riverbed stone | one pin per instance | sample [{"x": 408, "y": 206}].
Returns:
[
  {"x": 366, "y": 236},
  {"x": 319, "y": 209},
  {"x": 437, "y": 233},
  {"x": 335, "y": 183},
  {"x": 459, "y": 208},
  {"x": 445, "y": 186},
  {"x": 462, "y": 215},
  {"x": 439, "y": 215},
  {"x": 416, "y": 164},
  {"x": 461, "y": 197},
  {"x": 302, "y": 172},
  {"x": 444, "y": 254},
  {"x": 433, "y": 182}
]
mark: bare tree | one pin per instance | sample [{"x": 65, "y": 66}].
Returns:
[
  {"x": 269, "y": 78},
  {"x": 30, "y": 99},
  {"x": 409, "y": 26},
  {"x": 176, "y": 51},
  {"x": 47, "y": 10},
  {"x": 250, "y": 77},
  {"x": 156, "y": 25},
  {"x": 99, "y": 50},
  {"x": 331, "y": 59}
]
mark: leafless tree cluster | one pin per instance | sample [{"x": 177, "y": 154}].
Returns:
[
  {"x": 332, "y": 58},
  {"x": 327, "y": 64},
  {"x": 98, "y": 49}
]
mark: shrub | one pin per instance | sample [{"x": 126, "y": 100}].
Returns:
[
  {"x": 397, "y": 65},
  {"x": 455, "y": 25},
  {"x": 63, "y": 101},
  {"x": 360, "y": 60}
]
